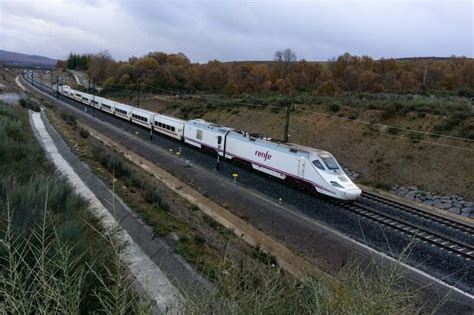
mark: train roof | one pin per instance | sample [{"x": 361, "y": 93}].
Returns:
[
  {"x": 171, "y": 118},
  {"x": 269, "y": 143},
  {"x": 201, "y": 123}
]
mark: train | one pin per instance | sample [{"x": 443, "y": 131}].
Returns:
[{"x": 315, "y": 169}]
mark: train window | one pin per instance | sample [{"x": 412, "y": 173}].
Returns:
[
  {"x": 199, "y": 134},
  {"x": 318, "y": 164},
  {"x": 219, "y": 139},
  {"x": 173, "y": 129},
  {"x": 331, "y": 163}
]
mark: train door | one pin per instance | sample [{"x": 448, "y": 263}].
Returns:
[
  {"x": 301, "y": 164},
  {"x": 219, "y": 143}
]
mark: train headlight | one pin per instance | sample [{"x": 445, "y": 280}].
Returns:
[{"x": 336, "y": 184}]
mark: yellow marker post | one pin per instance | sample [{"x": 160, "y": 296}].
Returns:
[
  {"x": 235, "y": 175},
  {"x": 178, "y": 154}
]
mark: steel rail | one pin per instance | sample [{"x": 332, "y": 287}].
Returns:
[
  {"x": 459, "y": 226},
  {"x": 425, "y": 234}
]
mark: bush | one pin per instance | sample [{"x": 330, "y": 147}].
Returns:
[
  {"x": 84, "y": 133},
  {"x": 391, "y": 111},
  {"x": 69, "y": 118},
  {"x": 335, "y": 107},
  {"x": 393, "y": 131},
  {"x": 382, "y": 185},
  {"x": 29, "y": 104}
]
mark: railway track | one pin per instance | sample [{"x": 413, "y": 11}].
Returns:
[
  {"x": 430, "y": 216},
  {"x": 417, "y": 231}
]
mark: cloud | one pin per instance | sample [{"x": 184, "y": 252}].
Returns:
[{"x": 238, "y": 30}]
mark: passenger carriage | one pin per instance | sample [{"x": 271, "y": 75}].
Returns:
[
  {"x": 142, "y": 117},
  {"x": 170, "y": 126}
]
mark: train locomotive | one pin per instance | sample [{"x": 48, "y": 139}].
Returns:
[{"x": 311, "y": 167}]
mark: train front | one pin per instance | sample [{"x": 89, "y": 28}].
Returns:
[{"x": 332, "y": 179}]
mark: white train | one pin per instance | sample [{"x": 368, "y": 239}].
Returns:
[{"x": 287, "y": 161}]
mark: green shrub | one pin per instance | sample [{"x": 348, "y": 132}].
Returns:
[
  {"x": 391, "y": 111},
  {"x": 68, "y": 118},
  {"x": 393, "y": 131},
  {"x": 335, "y": 107},
  {"x": 415, "y": 136},
  {"x": 29, "y": 104},
  {"x": 84, "y": 133},
  {"x": 382, "y": 185}
]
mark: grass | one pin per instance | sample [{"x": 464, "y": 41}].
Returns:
[
  {"x": 53, "y": 256},
  {"x": 115, "y": 164},
  {"x": 367, "y": 288}
]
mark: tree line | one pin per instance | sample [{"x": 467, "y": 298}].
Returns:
[{"x": 284, "y": 74}]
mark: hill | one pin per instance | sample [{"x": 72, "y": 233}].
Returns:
[{"x": 23, "y": 60}]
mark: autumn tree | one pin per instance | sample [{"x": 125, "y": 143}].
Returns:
[
  {"x": 230, "y": 88},
  {"x": 285, "y": 59},
  {"x": 100, "y": 66},
  {"x": 175, "y": 72}
]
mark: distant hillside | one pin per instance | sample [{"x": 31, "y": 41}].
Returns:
[{"x": 24, "y": 60}]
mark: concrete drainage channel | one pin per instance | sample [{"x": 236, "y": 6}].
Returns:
[{"x": 149, "y": 277}]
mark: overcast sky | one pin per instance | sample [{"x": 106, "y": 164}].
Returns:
[{"x": 238, "y": 30}]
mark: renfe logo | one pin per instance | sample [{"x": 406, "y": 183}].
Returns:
[{"x": 264, "y": 155}]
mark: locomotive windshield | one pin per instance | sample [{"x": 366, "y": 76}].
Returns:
[
  {"x": 318, "y": 164},
  {"x": 331, "y": 163}
]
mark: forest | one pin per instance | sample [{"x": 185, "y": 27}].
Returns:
[{"x": 283, "y": 75}]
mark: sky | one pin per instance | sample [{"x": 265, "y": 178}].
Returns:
[{"x": 238, "y": 30}]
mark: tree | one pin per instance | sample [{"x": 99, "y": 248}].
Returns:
[
  {"x": 366, "y": 80},
  {"x": 100, "y": 66},
  {"x": 230, "y": 88},
  {"x": 377, "y": 88},
  {"x": 327, "y": 88},
  {"x": 285, "y": 60}
]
